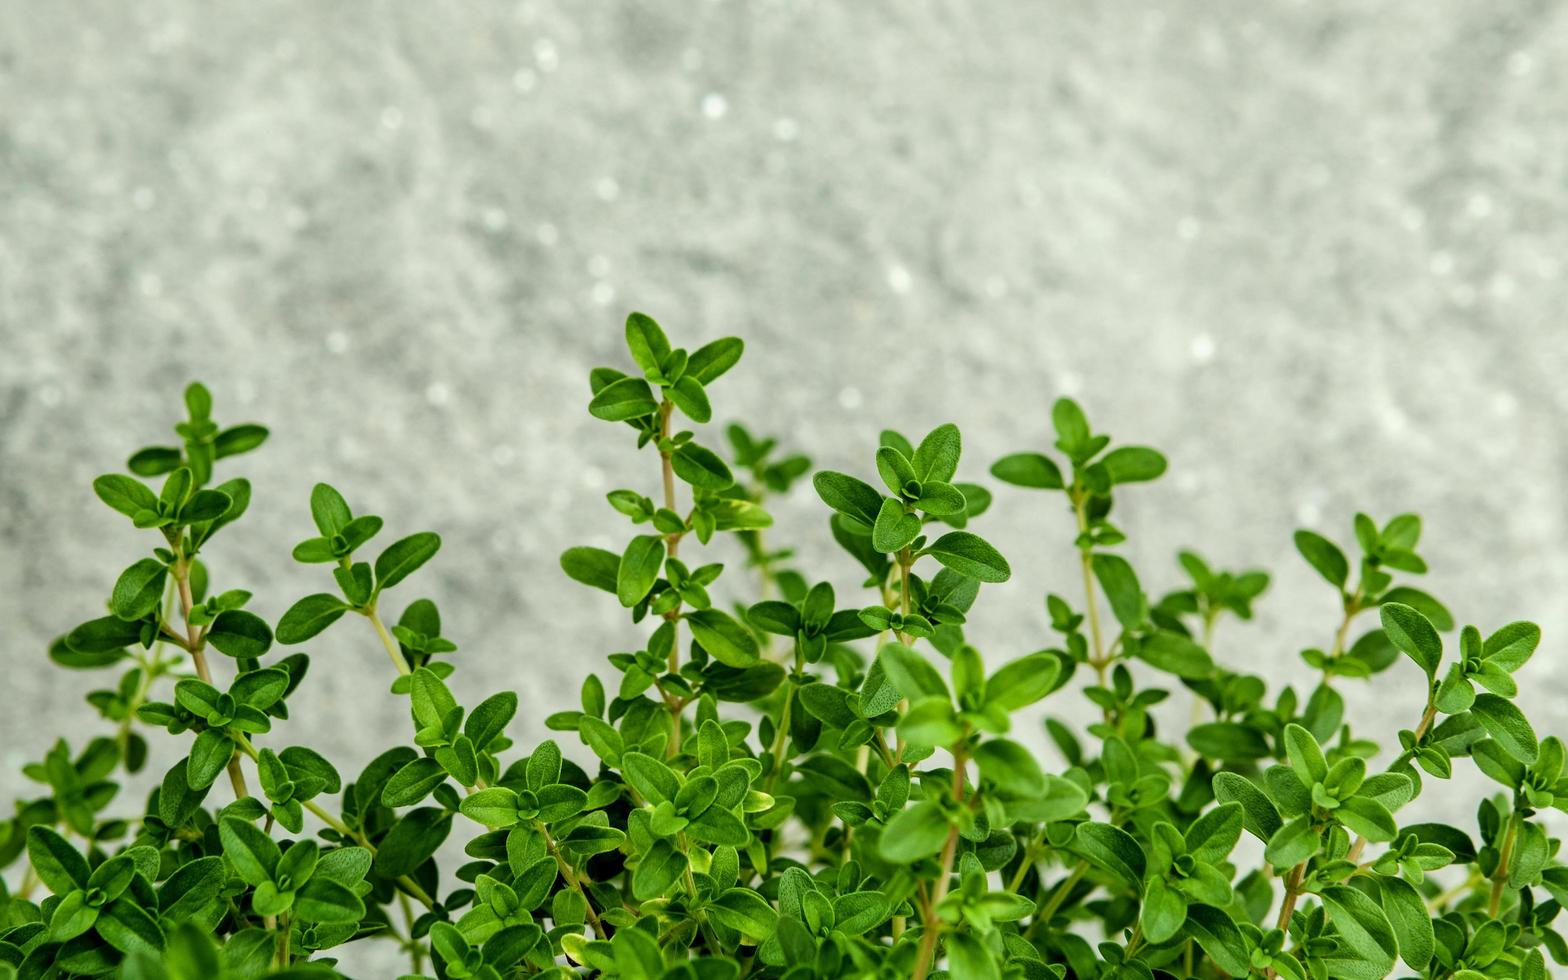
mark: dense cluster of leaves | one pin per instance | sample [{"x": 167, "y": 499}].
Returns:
[{"x": 805, "y": 786}]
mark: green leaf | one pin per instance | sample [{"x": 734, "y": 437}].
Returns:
[
  {"x": 745, "y": 911},
  {"x": 726, "y": 640},
  {"x": 1111, "y": 849},
  {"x": 646, "y": 341},
  {"x": 58, "y": 865},
  {"x": 1133, "y": 464},
  {"x": 711, "y": 360},
  {"x": 910, "y": 673},
  {"x": 1022, "y": 682},
  {"x": 930, "y": 722},
  {"x": 209, "y": 756},
  {"x": 493, "y": 807},
  {"x": 592, "y": 566},
  {"x": 1367, "y": 817},
  {"x": 657, "y": 871},
  {"x": 1414, "y": 634},
  {"x": 689, "y": 396},
  {"x": 1072, "y": 428},
  {"x": 253, "y": 854},
  {"x": 1121, "y": 589},
  {"x": 1228, "y": 741},
  {"x": 1011, "y": 768},
  {"x": 936, "y": 458},
  {"x": 1411, "y": 921},
  {"x": 914, "y": 833},
  {"x": 1292, "y": 843},
  {"x": 1175, "y": 654},
  {"x": 413, "y": 782},
  {"x": 238, "y": 633},
  {"x": 1323, "y": 555},
  {"x": 129, "y": 928},
  {"x": 403, "y": 556},
  {"x": 894, "y": 529},
  {"x": 329, "y": 510},
  {"x": 639, "y": 568},
  {"x": 628, "y": 398},
  {"x": 1512, "y": 645},
  {"x": 1364, "y": 929},
  {"x": 139, "y": 590},
  {"x": 329, "y": 902},
  {"x": 851, "y": 497},
  {"x": 970, "y": 555},
  {"x": 1218, "y": 936},
  {"x": 702, "y": 468},
  {"x": 125, "y": 494},
  {"x": 1164, "y": 911},
  {"x": 1211, "y": 837},
  {"x": 969, "y": 959},
  {"x": 310, "y": 616},
  {"x": 1032, "y": 470},
  {"x": 1507, "y": 725},
  {"x": 1306, "y": 756}
]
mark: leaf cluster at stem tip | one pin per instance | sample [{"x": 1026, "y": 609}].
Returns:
[{"x": 776, "y": 777}]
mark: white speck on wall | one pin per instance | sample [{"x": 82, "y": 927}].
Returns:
[
  {"x": 995, "y": 287},
  {"x": 598, "y": 267},
  {"x": 786, "y": 130},
  {"x": 150, "y": 284},
  {"x": 1441, "y": 263},
  {"x": 545, "y": 55},
  {"x": 144, "y": 198},
  {"x": 503, "y": 455},
  {"x": 898, "y": 279},
  {"x": 1069, "y": 384},
  {"x": 524, "y": 79},
  {"x": 1479, "y": 205},
  {"x": 592, "y": 477},
  {"x": 1505, "y": 405},
  {"x": 1520, "y": 63},
  {"x": 438, "y": 394},
  {"x": 547, "y": 234},
  {"x": 391, "y": 118},
  {"x": 336, "y": 341},
  {"x": 607, "y": 188},
  {"x": 495, "y": 219},
  {"x": 1308, "y": 513},
  {"x": 849, "y": 398},
  {"x": 1188, "y": 228},
  {"x": 1202, "y": 349},
  {"x": 715, "y": 106},
  {"x": 603, "y": 293}
]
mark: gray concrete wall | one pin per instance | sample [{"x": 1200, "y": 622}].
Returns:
[{"x": 1315, "y": 251}]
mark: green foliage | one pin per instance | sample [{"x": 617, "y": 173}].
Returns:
[{"x": 815, "y": 783}]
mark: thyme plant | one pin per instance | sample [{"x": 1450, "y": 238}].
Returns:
[{"x": 805, "y": 784}]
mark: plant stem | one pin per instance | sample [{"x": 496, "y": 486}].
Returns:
[
  {"x": 406, "y": 883},
  {"x": 1048, "y": 908},
  {"x": 571, "y": 878},
  {"x": 416, "y": 951},
  {"x": 781, "y": 737},
  {"x": 933, "y": 922},
  {"x": 1504, "y": 856},
  {"x": 195, "y": 641},
  {"x": 1292, "y": 893},
  {"x": 393, "y": 651},
  {"x": 283, "y": 942},
  {"x": 1086, "y": 552},
  {"x": 672, "y": 544}
]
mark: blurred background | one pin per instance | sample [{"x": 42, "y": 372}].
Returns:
[{"x": 1314, "y": 252}]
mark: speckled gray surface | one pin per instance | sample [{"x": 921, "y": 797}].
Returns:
[{"x": 1314, "y": 251}]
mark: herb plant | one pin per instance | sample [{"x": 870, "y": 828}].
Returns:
[{"x": 808, "y": 785}]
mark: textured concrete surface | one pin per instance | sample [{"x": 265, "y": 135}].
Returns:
[{"x": 1315, "y": 251}]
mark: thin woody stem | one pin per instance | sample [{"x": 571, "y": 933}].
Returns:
[{"x": 195, "y": 641}]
